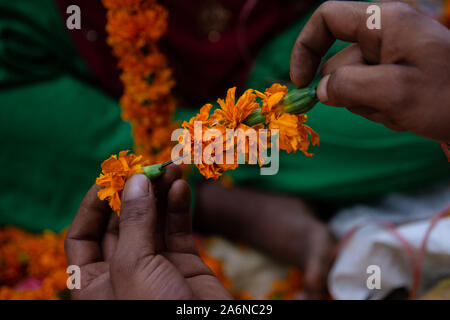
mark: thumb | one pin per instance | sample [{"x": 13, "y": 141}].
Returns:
[
  {"x": 137, "y": 219},
  {"x": 379, "y": 87}
]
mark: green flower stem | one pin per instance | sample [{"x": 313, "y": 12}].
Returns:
[
  {"x": 296, "y": 101},
  {"x": 153, "y": 171},
  {"x": 299, "y": 101}
]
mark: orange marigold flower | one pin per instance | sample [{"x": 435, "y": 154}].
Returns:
[
  {"x": 115, "y": 171},
  {"x": 145, "y": 89},
  {"x": 272, "y": 98},
  {"x": 207, "y": 170},
  {"x": 288, "y": 131},
  {"x": 116, "y": 4},
  {"x": 293, "y": 134},
  {"x": 232, "y": 113},
  {"x": 134, "y": 27},
  {"x": 127, "y": 26},
  {"x": 230, "y": 116},
  {"x": 139, "y": 63}
]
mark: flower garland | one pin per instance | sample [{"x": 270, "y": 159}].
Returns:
[
  {"x": 134, "y": 28},
  {"x": 280, "y": 110}
]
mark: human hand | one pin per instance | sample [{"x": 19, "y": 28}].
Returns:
[
  {"x": 282, "y": 226},
  {"x": 398, "y": 75},
  {"x": 299, "y": 238},
  {"x": 149, "y": 253}
]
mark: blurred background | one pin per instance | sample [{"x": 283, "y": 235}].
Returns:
[{"x": 267, "y": 237}]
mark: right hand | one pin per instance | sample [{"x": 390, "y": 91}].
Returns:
[{"x": 398, "y": 75}]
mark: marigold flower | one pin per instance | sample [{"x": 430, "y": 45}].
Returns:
[
  {"x": 272, "y": 98},
  {"x": 134, "y": 27},
  {"x": 293, "y": 134},
  {"x": 115, "y": 171},
  {"x": 117, "y": 4},
  {"x": 231, "y": 113},
  {"x": 139, "y": 88},
  {"x": 246, "y": 114},
  {"x": 137, "y": 26}
]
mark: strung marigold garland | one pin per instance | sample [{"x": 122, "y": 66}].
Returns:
[
  {"x": 134, "y": 28},
  {"x": 280, "y": 110}
]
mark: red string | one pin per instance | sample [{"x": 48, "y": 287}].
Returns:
[
  {"x": 416, "y": 260},
  {"x": 421, "y": 256}
]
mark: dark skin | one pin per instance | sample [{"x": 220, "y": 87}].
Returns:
[
  {"x": 391, "y": 76},
  {"x": 147, "y": 253},
  {"x": 163, "y": 263},
  {"x": 398, "y": 75},
  {"x": 281, "y": 226}
]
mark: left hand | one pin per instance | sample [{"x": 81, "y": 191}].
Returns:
[
  {"x": 149, "y": 253},
  {"x": 282, "y": 226}
]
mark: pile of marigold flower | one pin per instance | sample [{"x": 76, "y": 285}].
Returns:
[
  {"x": 134, "y": 28},
  {"x": 32, "y": 267}
]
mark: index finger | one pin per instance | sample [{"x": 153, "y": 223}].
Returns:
[
  {"x": 83, "y": 241},
  {"x": 333, "y": 20}
]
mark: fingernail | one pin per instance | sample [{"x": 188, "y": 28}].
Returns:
[
  {"x": 136, "y": 187},
  {"x": 322, "y": 91}
]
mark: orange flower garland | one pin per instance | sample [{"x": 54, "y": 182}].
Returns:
[
  {"x": 446, "y": 13},
  {"x": 293, "y": 134},
  {"x": 134, "y": 28}
]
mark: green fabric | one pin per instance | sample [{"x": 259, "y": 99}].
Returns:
[{"x": 57, "y": 127}]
